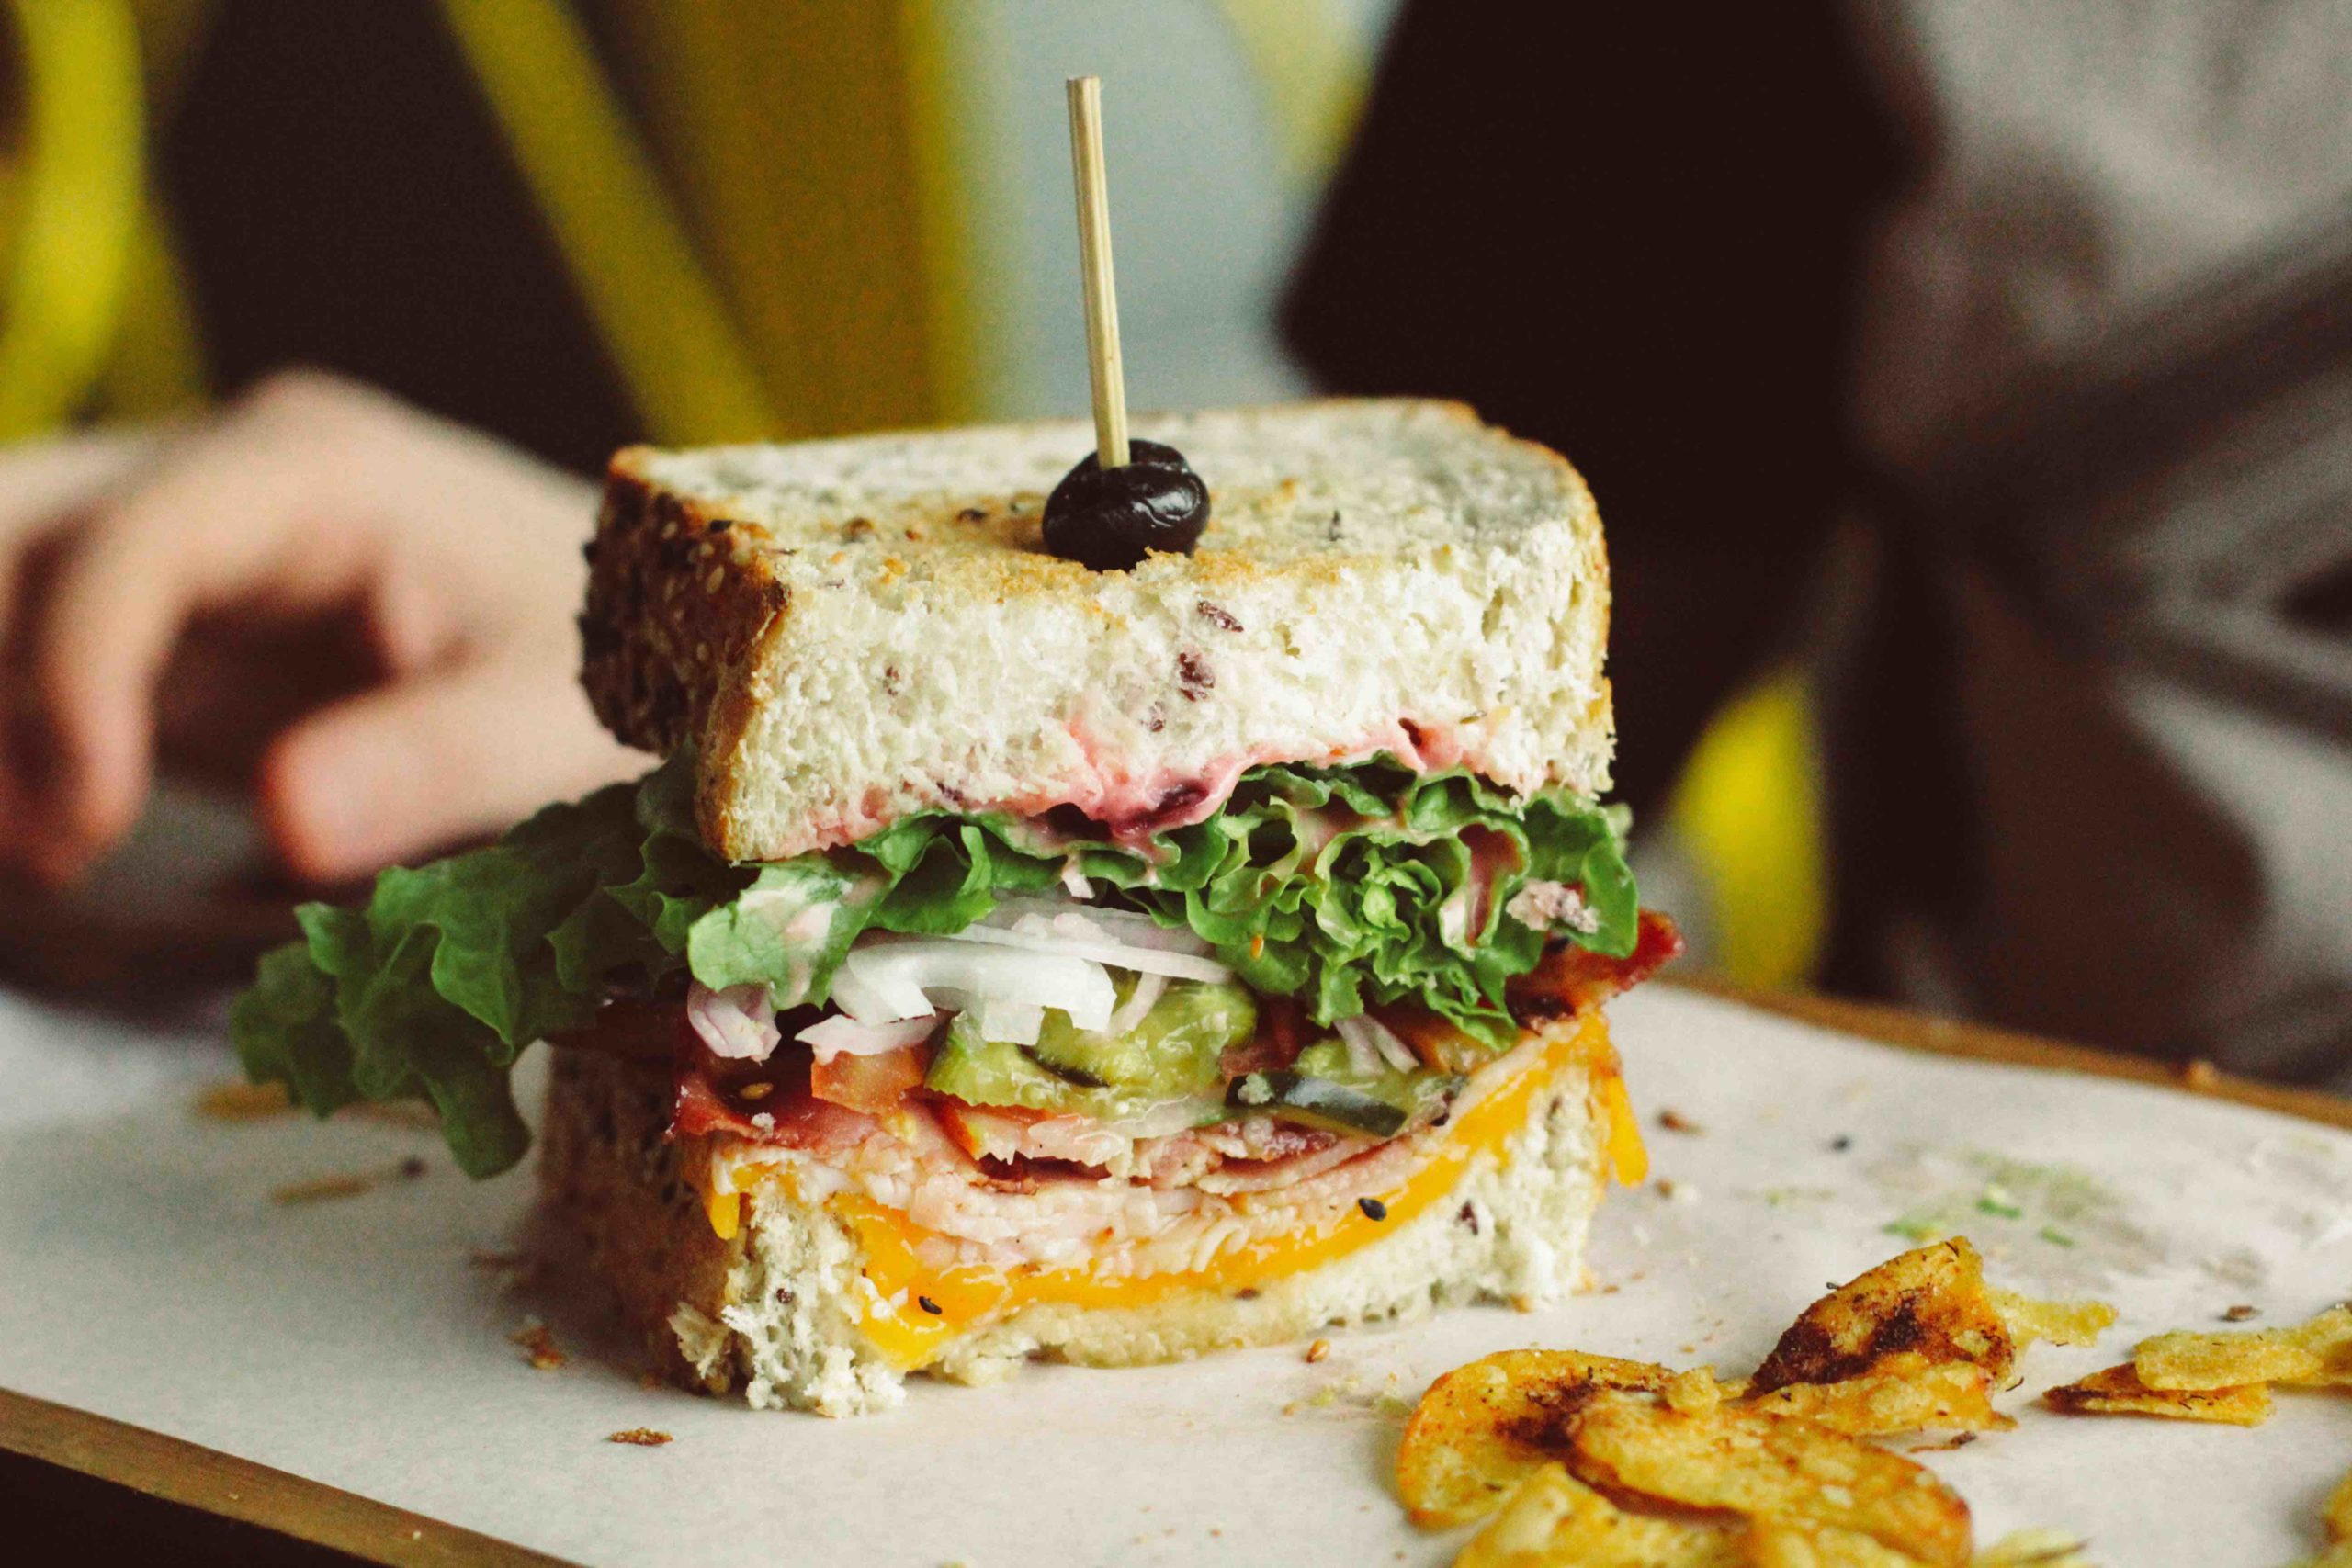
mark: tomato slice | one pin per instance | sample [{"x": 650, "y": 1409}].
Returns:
[{"x": 873, "y": 1084}]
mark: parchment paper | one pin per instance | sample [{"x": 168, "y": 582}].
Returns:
[{"x": 146, "y": 1273}]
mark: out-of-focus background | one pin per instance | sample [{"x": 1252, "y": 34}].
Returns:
[{"x": 1968, "y": 390}]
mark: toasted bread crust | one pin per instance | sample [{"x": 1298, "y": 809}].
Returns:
[
  {"x": 848, "y": 632},
  {"x": 608, "y": 1167}
]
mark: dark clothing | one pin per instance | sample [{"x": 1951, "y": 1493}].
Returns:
[{"x": 1635, "y": 237}]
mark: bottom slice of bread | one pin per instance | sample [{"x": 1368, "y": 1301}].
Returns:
[{"x": 782, "y": 1308}]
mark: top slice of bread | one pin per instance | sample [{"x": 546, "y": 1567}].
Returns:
[{"x": 853, "y": 631}]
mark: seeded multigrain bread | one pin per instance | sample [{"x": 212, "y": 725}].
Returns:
[
  {"x": 773, "y": 1310},
  {"x": 851, "y": 631}
]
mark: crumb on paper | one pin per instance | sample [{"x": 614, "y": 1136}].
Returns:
[
  {"x": 237, "y": 1100},
  {"x": 2200, "y": 1076},
  {"x": 1673, "y": 1121},
  {"x": 322, "y": 1189},
  {"x": 1999, "y": 1202},
  {"x": 538, "y": 1345},
  {"x": 1957, "y": 1441},
  {"x": 1675, "y": 1191},
  {"x": 1318, "y": 1350},
  {"x": 2240, "y": 1312},
  {"x": 347, "y": 1184},
  {"x": 641, "y": 1437}
]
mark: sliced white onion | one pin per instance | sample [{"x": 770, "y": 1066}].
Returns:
[
  {"x": 1013, "y": 1024},
  {"x": 907, "y": 977},
  {"x": 838, "y": 1035},
  {"x": 1074, "y": 880},
  {"x": 873, "y": 994},
  {"x": 737, "y": 1022},
  {"x": 1148, "y": 989},
  {"x": 1129, "y": 928},
  {"x": 1142, "y": 960},
  {"x": 1364, "y": 1032},
  {"x": 1392, "y": 1047}
]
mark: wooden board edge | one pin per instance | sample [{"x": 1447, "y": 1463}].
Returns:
[
  {"x": 194, "y": 1476},
  {"x": 1897, "y": 1026}
]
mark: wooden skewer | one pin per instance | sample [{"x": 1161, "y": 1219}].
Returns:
[{"x": 1102, "y": 364}]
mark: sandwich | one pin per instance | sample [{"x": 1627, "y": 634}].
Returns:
[{"x": 1015, "y": 955}]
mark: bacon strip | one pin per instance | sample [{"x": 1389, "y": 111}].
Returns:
[{"x": 1572, "y": 978}]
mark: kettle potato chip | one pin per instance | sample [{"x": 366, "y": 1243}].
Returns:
[
  {"x": 2314, "y": 1354},
  {"x": 1482, "y": 1429},
  {"x": 2060, "y": 1323},
  {"x": 1778, "y": 1543},
  {"x": 1924, "y": 1307},
  {"x": 2118, "y": 1391},
  {"x": 1955, "y": 1397},
  {"x": 1747, "y": 1461},
  {"x": 1554, "y": 1520}
]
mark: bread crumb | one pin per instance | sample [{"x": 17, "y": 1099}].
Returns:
[
  {"x": 1673, "y": 1121},
  {"x": 1318, "y": 1350},
  {"x": 2241, "y": 1312},
  {"x": 323, "y": 1189},
  {"x": 538, "y": 1345},
  {"x": 240, "y": 1101},
  {"x": 642, "y": 1436},
  {"x": 2200, "y": 1075}
]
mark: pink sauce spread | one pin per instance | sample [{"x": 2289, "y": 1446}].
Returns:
[{"x": 1134, "y": 805}]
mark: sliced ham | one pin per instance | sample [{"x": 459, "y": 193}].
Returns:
[{"x": 1009, "y": 1186}]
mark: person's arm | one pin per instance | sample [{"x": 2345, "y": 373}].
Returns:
[
  {"x": 213, "y": 583},
  {"x": 1629, "y": 232}
]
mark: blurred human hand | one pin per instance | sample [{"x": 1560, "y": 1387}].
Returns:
[{"x": 366, "y": 611}]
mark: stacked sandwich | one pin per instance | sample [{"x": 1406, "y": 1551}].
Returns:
[{"x": 1015, "y": 957}]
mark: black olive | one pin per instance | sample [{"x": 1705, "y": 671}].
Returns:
[{"x": 1108, "y": 519}]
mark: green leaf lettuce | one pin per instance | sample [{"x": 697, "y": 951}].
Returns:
[{"x": 1343, "y": 888}]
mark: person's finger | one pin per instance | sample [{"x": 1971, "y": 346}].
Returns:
[
  {"x": 42, "y": 485},
  {"x": 232, "y": 516},
  {"x": 417, "y": 766},
  {"x": 43, "y": 481}
]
